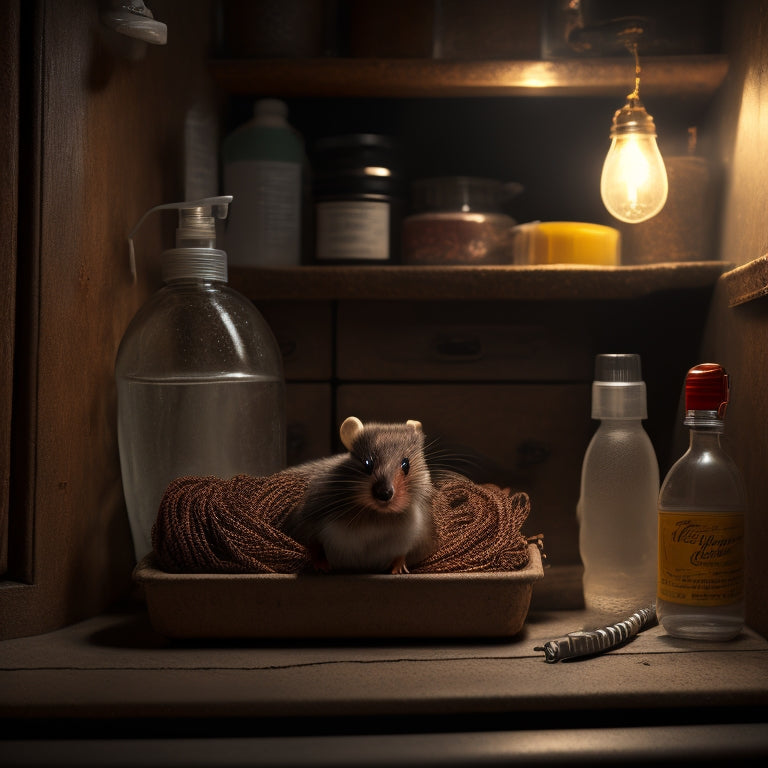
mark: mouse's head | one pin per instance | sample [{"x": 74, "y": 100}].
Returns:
[{"x": 392, "y": 457}]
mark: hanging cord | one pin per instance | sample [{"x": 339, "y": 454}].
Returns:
[{"x": 632, "y": 48}]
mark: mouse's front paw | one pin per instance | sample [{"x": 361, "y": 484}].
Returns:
[{"x": 399, "y": 566}]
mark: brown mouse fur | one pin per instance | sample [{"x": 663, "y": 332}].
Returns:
[{"x": 370, "y": 509}]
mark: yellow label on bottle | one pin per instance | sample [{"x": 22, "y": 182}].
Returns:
[{"x": 701, "y": 557}]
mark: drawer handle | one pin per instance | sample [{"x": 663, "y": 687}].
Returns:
[
  {"x": 458, "y": 348},
  {"x": 287, "y": 347},
  {"x": 532, "y": 452},
  {"x": 296, "y": 442}
]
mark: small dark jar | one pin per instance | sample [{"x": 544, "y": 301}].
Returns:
[{"x": 358, "y": 200}]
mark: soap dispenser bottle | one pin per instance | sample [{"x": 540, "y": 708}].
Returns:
[
  {"x": 619, "y": 491},
  {"x": 200, "y": 387}
]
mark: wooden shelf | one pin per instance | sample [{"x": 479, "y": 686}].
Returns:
[
  {"x": 116, "y": 666},
  {"x": 747, "y": 282},
  {"x": 547, "y": 282},
  {"x": 678, "y": 76}
]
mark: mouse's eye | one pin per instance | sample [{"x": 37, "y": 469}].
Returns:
[
  {"x": 405, "y": 465},
  {"x": 368, "y": 465}
]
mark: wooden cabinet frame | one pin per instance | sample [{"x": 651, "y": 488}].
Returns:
[
  {"x": 9, "y": 179},
  {"x": 99, "y": 140}
]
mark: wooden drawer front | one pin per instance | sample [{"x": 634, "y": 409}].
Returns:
[
  {"x": 308, "y": 416},
  {"x": 304, "y": 332},
  {"x": 530, "y": 438},
  {"x": 460, "y": 341}
]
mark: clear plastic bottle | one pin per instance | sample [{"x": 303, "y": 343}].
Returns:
[
  {"x": 199, "y": 377},
  {"x": 263, "y": 167},
  {"x": 701, "y": 522},
  {"x": 619, "y": 491}
]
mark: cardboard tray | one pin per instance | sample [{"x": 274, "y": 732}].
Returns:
[{"x": 205, "y": 605}]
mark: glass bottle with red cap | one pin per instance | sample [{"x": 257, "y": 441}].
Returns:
[{"x": 700, "y": 590}]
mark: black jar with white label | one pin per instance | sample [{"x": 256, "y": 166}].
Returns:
[{"x": 358, "y": 200}]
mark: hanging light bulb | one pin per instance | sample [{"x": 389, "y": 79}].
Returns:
[{"x": 633, "y": 184}]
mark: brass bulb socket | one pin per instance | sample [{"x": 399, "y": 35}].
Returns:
[{"x": 632, "y": 118}]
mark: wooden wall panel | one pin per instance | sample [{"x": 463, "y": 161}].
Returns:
[
  {"x": 111, "y": 147},
  {"x": 738, "y": 337}
]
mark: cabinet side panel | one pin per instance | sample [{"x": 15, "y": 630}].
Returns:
[
  {"x": 113, "y": 121},
  {"x": 9, "y": 110}
]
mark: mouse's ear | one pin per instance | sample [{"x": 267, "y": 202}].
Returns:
[
  {"x": 351, "y": 427},
  {"x": 414, "y": 424}
]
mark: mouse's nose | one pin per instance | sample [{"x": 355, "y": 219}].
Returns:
[{"x": 382, "y": 490}]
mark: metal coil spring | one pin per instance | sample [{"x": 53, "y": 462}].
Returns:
[{"x": 589, "y": 643}]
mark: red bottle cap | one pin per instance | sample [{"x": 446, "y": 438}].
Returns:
[{"x": 706, "y": 389}]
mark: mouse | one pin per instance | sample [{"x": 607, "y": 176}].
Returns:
[{"x": 368, "y": 510}]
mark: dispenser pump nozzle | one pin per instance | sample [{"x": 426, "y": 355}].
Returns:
[{"x": 196, "y": 226}]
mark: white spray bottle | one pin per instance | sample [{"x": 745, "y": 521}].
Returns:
[{"x": 200, "y": 383}]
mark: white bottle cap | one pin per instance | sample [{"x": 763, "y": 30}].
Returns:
[
  {"x": 618, "y": 391},
  {"x": 270, "y": 112}
]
